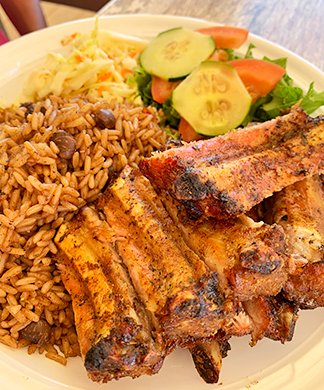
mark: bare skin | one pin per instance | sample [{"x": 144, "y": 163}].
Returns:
[{"x": 26, "y": 15}]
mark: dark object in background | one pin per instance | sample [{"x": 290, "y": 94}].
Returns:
[{"x": 93, "y": 5}]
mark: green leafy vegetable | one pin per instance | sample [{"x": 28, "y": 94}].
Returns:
[
  {"x": 172, "y": 118},
  {"x": 312, "y": 100},
  {"x": 233, "y": 55},
  {"x": 282, "y": 61},
  {"x": 281, "y": 99},
  {"x": 144, "y": 86},
  {"x": 249, "y": 52}
]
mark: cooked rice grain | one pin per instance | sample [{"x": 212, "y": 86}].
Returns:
[{"x": 39, "y": 190}]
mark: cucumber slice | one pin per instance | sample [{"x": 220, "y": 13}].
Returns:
[
  {"x": 175, "y": 53},
  {"x": 212, "y": 98}
]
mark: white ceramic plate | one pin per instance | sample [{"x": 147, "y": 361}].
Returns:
[{"x": 297, "y": 365}]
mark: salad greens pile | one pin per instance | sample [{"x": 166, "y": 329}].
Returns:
[
  {"x": 278, "y": 101},
  {"x": 144, "y": 86}
]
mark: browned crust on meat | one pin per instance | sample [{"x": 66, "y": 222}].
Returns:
[
  {"x": 115, "y": 336},
  {"x": 173, "y": 282},
  {"x": 230, "y": 186},
  {"x": 306, "y": 286}
]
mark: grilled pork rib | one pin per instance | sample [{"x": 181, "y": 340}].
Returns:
[
  {"x": 115, "y": 336},
  {"x": 143, "y": 279},
  {"x": 208, "y": 358},
  {"x": 175, "y": 285},
  {"x": 213, "y": 178},
  {"x": 250, "y": 258},
  {"x": 272, "y": 317},
  {"x": 306, "y": 286},
  {"x": 299, "y": 209}
]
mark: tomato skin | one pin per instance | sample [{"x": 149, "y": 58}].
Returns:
[
  {"x": 259, "y": 76},
  {"x": 219, "y": 55},
  {"x": 187, "y": 132},
  {"x": 226, "y": 37},
  {"x": 162, "y": 89}
]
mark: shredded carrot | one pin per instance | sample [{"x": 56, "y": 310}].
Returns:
[
  {"x": 104, "y": 76},
  {"x": 79, "y": 57},
  {"x": 69, "y": 39},
  {"x": 125, "y": 72},
  {"x": 100, "y": 90},
  {"x": 133, "y": 53}
]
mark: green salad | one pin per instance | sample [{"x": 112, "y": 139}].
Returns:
[{"x": 204, "y": 87}]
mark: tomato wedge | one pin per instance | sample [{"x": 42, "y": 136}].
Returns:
[
  {"x": 259, "y": 77},
  {"x": 226, "y": 37},
  {"x": 187, "y": 132},
  {"x": 162, "y": 89}
]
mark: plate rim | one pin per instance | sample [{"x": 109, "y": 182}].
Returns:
[{"x": 13, "y": 45}]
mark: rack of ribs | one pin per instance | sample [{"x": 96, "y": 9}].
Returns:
[
  {"x": 144, "y": 277},
  {"x": 137, "y": 289},
  {"x": 176, "y": 287},
  {"x": 250, "y": 258},
  {"x": 116, "y": 339},
  {"x": 226, "y": 176},
  {"x": 271, "y": 317}
]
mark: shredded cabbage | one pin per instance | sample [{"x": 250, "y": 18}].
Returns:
[{"x": 97, "y": 64}]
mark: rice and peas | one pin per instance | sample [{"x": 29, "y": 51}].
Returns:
[{"x": 57, "y": 154}]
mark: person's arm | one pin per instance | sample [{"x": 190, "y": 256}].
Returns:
[{"x": 26, "y": 15}]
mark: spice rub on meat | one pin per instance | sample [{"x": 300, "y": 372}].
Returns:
[
  {"x": 176, "y": 287},
  {"x": 116, "y": 339},
  {"x": 299, "y": 209},
  {"x": 145, "y": 277},
  {"x": 226, "y": 176},
  {"x": 137, "y": 289},
  {"x": 250, "y": 258}
]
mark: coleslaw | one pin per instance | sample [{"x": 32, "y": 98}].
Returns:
[{"x": 96, "y": 64}]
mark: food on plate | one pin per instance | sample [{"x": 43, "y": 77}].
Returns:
[
  {"x": 250, "y": 259},
  {"x": 116, "y": 337},
  {"x": 96, "y": 64},
  {"x": 187, "y": 132},
  {"x": 259, "y": 77},
  {"x": 162, "y": 89},
  {"x": 173, "y": 286},
  {"x": 143, "y": 267},
  {"x": 144, "y": 230},
  {"x": 226, "y": 37},
  {"x": 207, "y": 183},
  {"x": 299, "y": 209},
  {"x": 271, "y": 317},
  {"x": 271, "y": 89},
  {"x": 212, "y": 99},
  {"x": 306, "y": 286},
  {"x": 207, "y": 358},
  {"x": 175, "y": 53},
  {"x": 55, "y": 156}
]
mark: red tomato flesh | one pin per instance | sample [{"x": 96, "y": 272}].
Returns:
[
  {"x": 226, "y": 37},
  {"x": 162, "y": 89},
  {"x": 187, "y": 132},
  {"x": 259, "y": 77}
]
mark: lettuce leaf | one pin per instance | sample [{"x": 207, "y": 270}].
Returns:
[
  {"x": 312, "y": 100},
  {"x": 283, "y": 97},
  {"x": 144, "y": 85}
]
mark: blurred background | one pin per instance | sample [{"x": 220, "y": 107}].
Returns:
[{"x": 58, "y": 12}]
